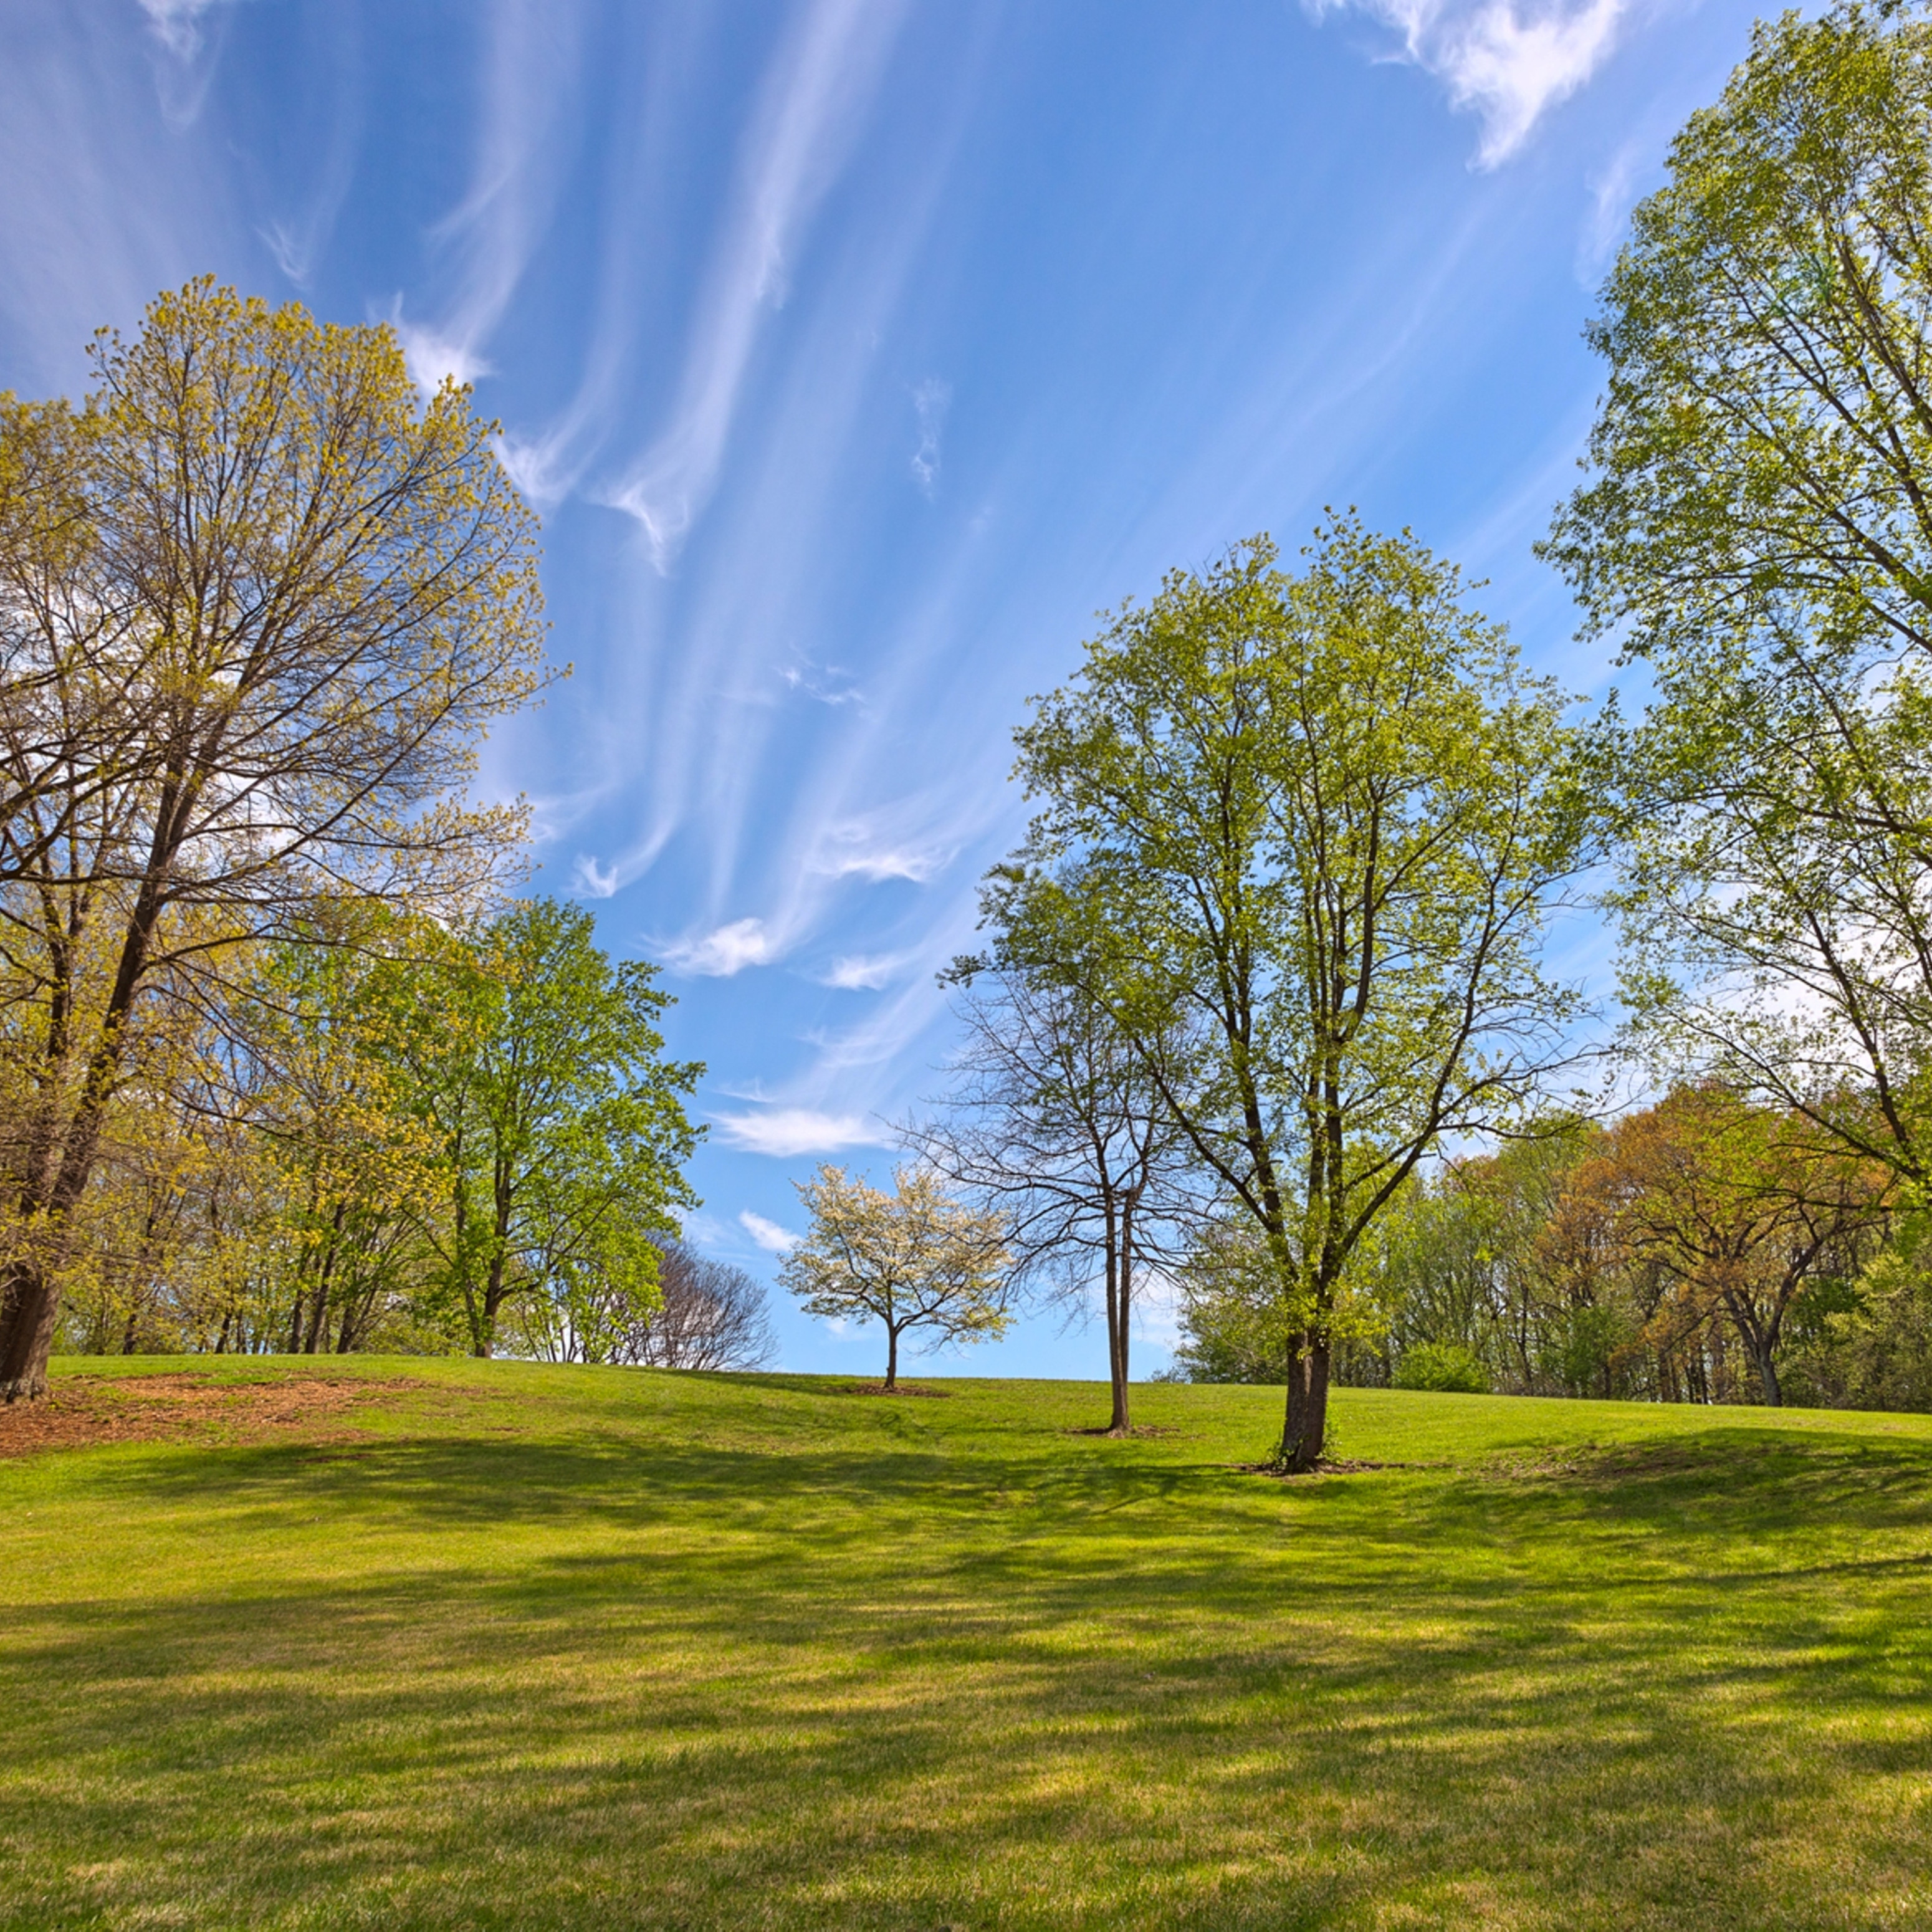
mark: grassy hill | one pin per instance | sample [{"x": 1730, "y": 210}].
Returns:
[{"x": 450, "y": 1644}]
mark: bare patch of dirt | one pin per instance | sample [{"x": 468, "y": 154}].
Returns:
[
  {"x": 1140, "y": 1429},
  {"x": 904, "y": 1388},
  {"x": 1338, "y": 1465},
  {"x": 82, "y": 1411}
]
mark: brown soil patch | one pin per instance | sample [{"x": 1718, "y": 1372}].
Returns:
[
  {"x": 82, "y": 1411},
  {"x": 1139, "y": 1429},
  {"x": 904, "y": 1388},
  {"x": 1338, "y": 1465}
]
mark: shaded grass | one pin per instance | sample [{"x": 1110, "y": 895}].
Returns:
[{"x": 539, "y": 1647}]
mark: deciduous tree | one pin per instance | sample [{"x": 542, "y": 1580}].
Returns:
[
  {"x": 1739, "y": 1208},
  {"x": 1758, "y": 526},
  {"x": 322, "y": 590},
  {"x": 1055, "y": 1120},
  {"x": 539, "y": 1066},
  {"x": 1318, "y": 822},
  {"x": 914, "y": 1258}
]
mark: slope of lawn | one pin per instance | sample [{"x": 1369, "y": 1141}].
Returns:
[{"x": 429, "y": 1644}]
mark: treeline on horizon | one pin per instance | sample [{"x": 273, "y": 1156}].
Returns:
[{"x": 288, "y": 1065}]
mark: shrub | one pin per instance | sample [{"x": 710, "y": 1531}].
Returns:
[{"x": 1442, "y": 1365}]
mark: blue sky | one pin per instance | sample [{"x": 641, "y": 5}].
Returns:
[{"x": 857, "y": 352}]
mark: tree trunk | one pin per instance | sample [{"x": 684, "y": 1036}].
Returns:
[
  {"x": 29, "y": 1301},
  {"x": 493, "y": 1301},
  {"x": 1119, "y": 1308},
  {"x": 892, "y": 1359},
  {"x": 1297, "y": 1399},
  {"x": 1305, "y": 1429},
  {"x": 29, "y": 1308},
  {"x": 1760, "y": 1340}
]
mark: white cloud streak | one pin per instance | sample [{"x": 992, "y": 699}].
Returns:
[
  {"x": 725, "y": 952},
  {"x": 815, "y": 97},
  {"x": 768, "y": 1235},
  {"x": 1612, "y": 195},
  {"x": 863, "y": 847},
  {"x": 786, "y": 1132},
  {"x": 182, "y": 80},
  {"x": 530, "y": 77},
  {"x": 1506, "y": 61},
  {"x": 297, "y": 239},
  {"x": 862, "y": 973},
  {"x": 177, "y": 23},
  {"x": 595, "y": 881},
  {"x": 930, "y": 402}
]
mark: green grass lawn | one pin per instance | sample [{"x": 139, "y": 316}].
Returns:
[{"x": 505, "y": 1645}]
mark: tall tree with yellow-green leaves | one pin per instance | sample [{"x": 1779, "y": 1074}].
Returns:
[
  {"x": 1757, "y": 527},
  {"x": 259, "y": 601},
  {"x": 1315, "y": 823}
]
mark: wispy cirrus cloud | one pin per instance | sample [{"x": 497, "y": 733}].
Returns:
[
  {"x": 786, "y": 1132},
  {"x": 177, "y": 23},
  {"x": 596, "y": 880},
  {"x": 815, "y": 97},
  {"x": 917, "y": 863},
  {"x": 725, "y": 951},
  {"x": 823, "y": 684},
  {"x": 866, "y": 847},
  {"x": 768, "y": 1235},
  {"x": 862, "y": 973},
  {"x": 930, "y": 402},
  {"x": 182, "y": 80},
  {"x": 530, "y": 74},
  {"x": 1613, "y": 194},
  {"x": 1507, "y": 61}
]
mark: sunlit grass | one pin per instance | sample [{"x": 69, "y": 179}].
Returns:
[{"x": 512, "y": 1646}]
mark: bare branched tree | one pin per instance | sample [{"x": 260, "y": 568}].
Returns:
[
  {"x": 1056, "y": 1122},
  {"x": 713, "y": 1316}
]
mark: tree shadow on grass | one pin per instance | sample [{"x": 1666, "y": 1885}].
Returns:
[{"x": 621, "y": 1685}]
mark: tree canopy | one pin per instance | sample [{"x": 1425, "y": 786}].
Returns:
[
  {"x": 1318, "y": 822},
  {"x": 258, "y": 603},
  {"x": 915, "y": 1258}
]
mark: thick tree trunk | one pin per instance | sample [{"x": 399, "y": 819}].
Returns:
[
  {"x": 493, "y": 1303},
  {"x": 891, "y": 1358},
  {"x": 29, "y": 1299},
  {"x": 29, "y": 1309},
  {"x": 1760, "y": 1340},
  {"x": 1297, "y": 1398},
  {"x": 1305, "y": 1428}
]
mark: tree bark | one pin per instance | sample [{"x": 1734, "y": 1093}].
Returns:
[
  {"x": 892, "y": 1359},
  {"x": 1305, "y": 1427},
  {"x": 1120, "y": 1308},
  {"x": 29, "y": 1309}
]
